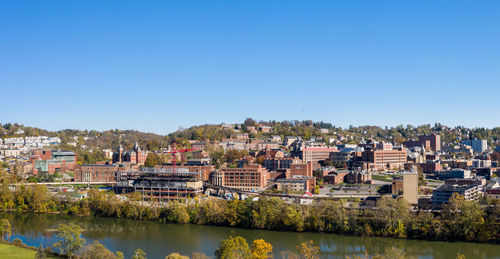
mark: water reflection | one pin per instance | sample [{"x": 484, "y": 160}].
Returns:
[{"x": 159, "y": 239}]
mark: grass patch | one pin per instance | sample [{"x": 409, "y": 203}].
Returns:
[
  {"x": 8, "y": 251},
  {"x": 381, "y": 178}
]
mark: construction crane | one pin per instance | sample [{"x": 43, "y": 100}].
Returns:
[{"x": 174, "y": 152}]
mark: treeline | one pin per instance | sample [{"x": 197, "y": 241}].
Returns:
[{"x": 460, "y": 220}]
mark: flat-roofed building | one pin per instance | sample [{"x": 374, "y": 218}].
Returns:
[
  {"x": 493, "y": 189},
  {"x": 383, "y": 159},
  {"x": 96, "y": 173},
  {"x": 296, "y": 184},
  {"x": 247, "y": 178},
  {"x": 442, "y": 194},
  {"x": 160, "y": 184},
  {"x": 407, "y": 187},
  {"x": 304, "y": 169},
  {"x": 51, "y": 161},
  {"x": 205, "y": 170}
]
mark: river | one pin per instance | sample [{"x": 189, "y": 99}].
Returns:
[{"x": 159, "y": 239}]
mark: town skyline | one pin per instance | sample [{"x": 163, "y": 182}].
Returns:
[{"x": 180, "y": 128}]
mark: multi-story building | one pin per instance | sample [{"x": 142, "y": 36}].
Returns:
[
  {"x": 205, "y": 170},
  {"x": 493, "y": 189},
  {"x": 429, "y": 142},
  {"x": 478, "y": 145},
  {"x": 431, "y": 167},
  {"x": 296, "y": 184},
  {"x": 247, "y": 178},
  {"x": 454, "y": 173},
  {"x": 52, "y": 161},
  {"x": 471, "y": 191},
  {"x": 336, "y": 177},
  {"x": 96, "y": 173},
  {"x": 478, "y": 163},
  {"x": 135, "y": 156},
  {"x": 160, "y": 184},
  {"x": 358, "y": 177},
  {"x": 304, "y": 169},
  {"x": 407, "y": 186},
  {"x": 279, "y": 163},
  {"x": 383, "y": 159}
]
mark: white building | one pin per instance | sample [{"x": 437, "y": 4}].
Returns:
[{"x": 478, "y": 145}]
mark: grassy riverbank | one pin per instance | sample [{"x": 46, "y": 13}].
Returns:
[{"x": 10, "y": 251}]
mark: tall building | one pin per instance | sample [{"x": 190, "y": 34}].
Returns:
[
  {"x": 478, "y": 145},
  {"x": 407, "y": 186},
  {"x": 247, "y": 178},
  {"x": 382, "y": 159}
]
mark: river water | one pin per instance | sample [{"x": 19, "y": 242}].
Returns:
[{"x": 159, "y": 239}]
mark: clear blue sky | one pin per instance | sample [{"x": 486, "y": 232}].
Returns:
[{"x": 158, "y": 65}]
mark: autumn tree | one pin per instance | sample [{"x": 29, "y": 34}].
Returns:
[
  {"x": 5, "y": 229},
  {"x": 308, "y": 250},
  {"x": 233, "y": 248},
  {"x": 261, "y": 249},
  {"x": 139, "y": 254}
]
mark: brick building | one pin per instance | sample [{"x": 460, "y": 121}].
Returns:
[
  {"x": 431, "y": 167},
  {"x": 52, "y": 161},
  {"x": 382, "y": 159},
  {"x": 429, "y": 142},
  {"x": 96, "y": 173},
  {"x": 304, "y": 169},
  {"x": 296, "y": 184},
  {"x": 279, "y": 163},
  {"x": 247, "y": 178},
  {"x": 135, "y": 156}
]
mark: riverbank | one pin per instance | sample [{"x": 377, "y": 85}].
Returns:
[
  {"x": 11, "y": 251},
  {"x": 160, "y": 239},
  {"x": 461, "y": 221}
]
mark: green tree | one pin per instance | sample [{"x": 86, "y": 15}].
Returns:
[
  {"x": 151, "y": 160},
  {"x": 464, "y": 218},
  {"x": 261, "y": 249},
  {"x": 233, "y": 248},
  {"x": 5, "y": 229},
  {"x": 71, "y": 242},
  {"x": 139, "y": 254}
]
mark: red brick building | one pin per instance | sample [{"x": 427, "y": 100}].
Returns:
[
  {"x": 248, "y": 178},
  {"x": 135, "y": 156},
  {"x": 304, "y": 169},
  {"x": 383, "y": 159},
  {"x": 96, "y": 173},
  {"x": 52, "y": 161}
]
